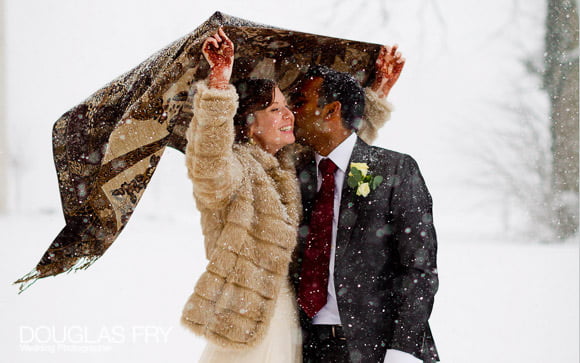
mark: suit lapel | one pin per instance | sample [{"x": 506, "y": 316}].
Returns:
[
  {"x": 349, "y": 211},
  {"x": 307, "y": 177},
  {"x": 306, "y": 174}
]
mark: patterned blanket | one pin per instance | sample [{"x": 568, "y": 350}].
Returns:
[{"x": 106, "y": 149}]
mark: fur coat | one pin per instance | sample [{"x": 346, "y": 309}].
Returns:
[{"x": 250, "y": 208}]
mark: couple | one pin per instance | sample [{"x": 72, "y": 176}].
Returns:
[{"x": 316, "y": 256}]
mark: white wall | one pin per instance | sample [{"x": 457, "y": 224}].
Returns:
[{"x": 3, "y": 146}]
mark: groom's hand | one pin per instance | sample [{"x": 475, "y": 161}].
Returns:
[{"x": 388, "y": 68}]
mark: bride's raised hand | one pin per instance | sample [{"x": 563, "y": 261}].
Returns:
[{"x": 218, "y": 50}]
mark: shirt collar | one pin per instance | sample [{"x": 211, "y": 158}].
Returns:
[{"x": 341, "y": 154}]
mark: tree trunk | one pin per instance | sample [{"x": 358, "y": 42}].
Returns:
[{"x": 561, "y": 83}]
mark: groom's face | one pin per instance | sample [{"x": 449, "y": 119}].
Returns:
[{"x": 308, "y": 115}]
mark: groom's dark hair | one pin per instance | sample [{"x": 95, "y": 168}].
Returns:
[{"x": 341, "y": 87}]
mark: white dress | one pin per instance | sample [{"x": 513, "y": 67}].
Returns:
[{"x": 282, "y": 342}]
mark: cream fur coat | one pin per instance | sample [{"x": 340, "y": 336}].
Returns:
[{"x": 250, "y": 209}]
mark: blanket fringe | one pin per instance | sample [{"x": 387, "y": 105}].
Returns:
[{"x": 69, "y": 265}]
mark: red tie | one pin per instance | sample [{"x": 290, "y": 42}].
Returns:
[{"x": 313, "y": 287}]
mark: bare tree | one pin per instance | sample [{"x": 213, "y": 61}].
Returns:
[
  {"x": 560, "y": 80},
  {"x": 538, "y": 165},
  {"x": 515, "y": 161}
]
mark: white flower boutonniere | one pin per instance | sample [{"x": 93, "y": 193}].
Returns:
[{"x": 360, "y": 179}]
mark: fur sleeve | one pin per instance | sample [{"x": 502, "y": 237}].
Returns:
[
  {"x": 377, "y": 113},
  {"x": 211, "y": 163}
]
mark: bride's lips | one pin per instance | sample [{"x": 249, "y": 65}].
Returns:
[{"x": 287, "y": 128}]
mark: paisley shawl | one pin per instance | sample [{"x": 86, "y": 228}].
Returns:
[{"x": 107, "y": 148}]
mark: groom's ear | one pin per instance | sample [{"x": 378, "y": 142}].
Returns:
[{"x": 331, "y": 111}]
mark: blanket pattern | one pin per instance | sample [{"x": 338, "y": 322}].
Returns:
[{"x": 107, "y": 148}]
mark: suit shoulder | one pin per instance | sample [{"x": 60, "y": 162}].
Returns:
[
  {"x": 396, "y": 161},
  {"x": 390, "y": 155}
]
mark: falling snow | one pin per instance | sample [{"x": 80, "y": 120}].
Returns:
[{"x": 500, "y": 300}]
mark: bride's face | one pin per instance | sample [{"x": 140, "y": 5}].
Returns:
[{"x": 273, "y": 127}]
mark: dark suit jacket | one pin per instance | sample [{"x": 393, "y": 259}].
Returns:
[{"x": 385, "y": 266}]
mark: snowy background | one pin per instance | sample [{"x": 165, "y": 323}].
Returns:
[{"x": 505, "y": 295}]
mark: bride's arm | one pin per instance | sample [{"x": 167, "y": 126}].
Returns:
[{"x": 212, "y": 166}]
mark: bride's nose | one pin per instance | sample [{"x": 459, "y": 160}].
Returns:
[{"x": 289, "y": 115}]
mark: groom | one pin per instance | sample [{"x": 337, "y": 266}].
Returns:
[{"x": 365, "y": 268}]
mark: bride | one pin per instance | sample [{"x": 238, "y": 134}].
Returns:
[{"x": 247, "y": 193}]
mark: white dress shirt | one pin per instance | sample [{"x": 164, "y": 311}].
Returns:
[{"x": 329, "y": 314}]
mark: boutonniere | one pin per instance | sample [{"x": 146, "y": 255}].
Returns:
[{"x": 360, "y": 179}]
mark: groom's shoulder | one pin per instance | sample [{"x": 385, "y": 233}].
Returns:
[
  {"x": 382, "y": 155},
  {"x": 387, "y": 152}
]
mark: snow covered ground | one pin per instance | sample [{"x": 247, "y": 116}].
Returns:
[
  {"x": 498, "y": 302},
  {"x": 502, "y": 298}
]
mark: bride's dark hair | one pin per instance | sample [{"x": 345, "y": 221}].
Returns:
[{"x": 254, "y": 94}]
